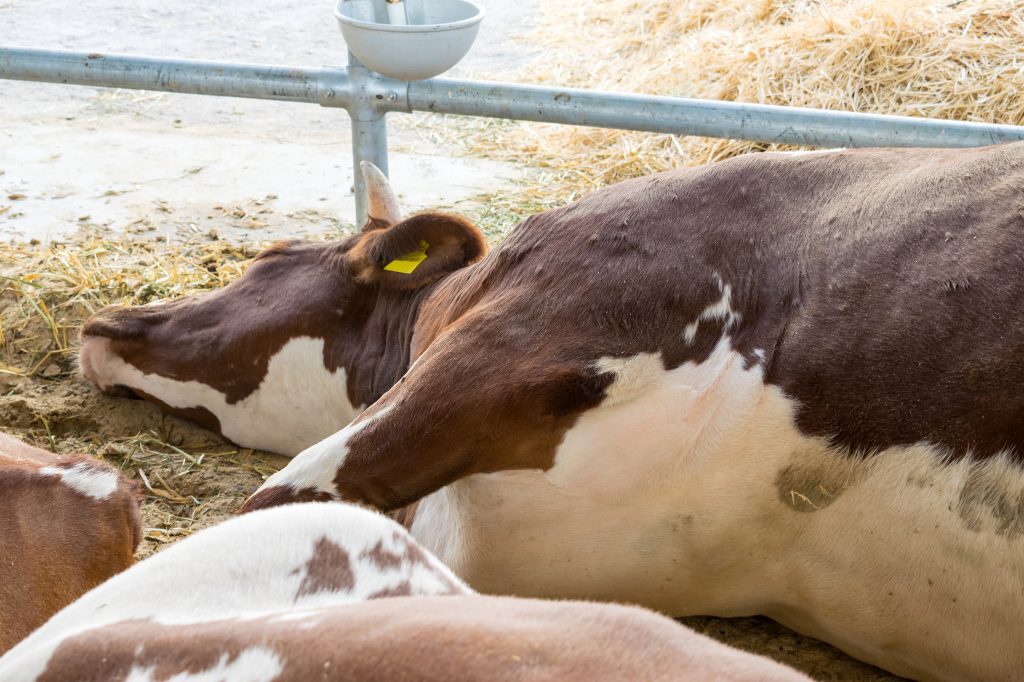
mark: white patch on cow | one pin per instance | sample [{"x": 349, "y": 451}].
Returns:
[
  {"x": 316, "y": 466},
  {"x": 438, "y": 522},
  {"x": 250, "y": 567},
  {"x": 692, "y": 491},
  {"x": 86, "y": 478},
  {"x": 298, "y": 403},
  {"x": 255, "y": 664},
  {"x": 719, "y": 310},
  {"x": 633, "y": 375}
]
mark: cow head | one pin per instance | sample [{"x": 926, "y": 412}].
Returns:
[{"x": 290, "y": 352}]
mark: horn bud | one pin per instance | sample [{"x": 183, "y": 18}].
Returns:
[{"x": 382, "y": 209}]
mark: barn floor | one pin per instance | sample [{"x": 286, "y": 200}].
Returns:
[{"x": 93, "y": 168}]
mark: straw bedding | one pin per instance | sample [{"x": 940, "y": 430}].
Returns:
[{"x": 946, "y": 59}]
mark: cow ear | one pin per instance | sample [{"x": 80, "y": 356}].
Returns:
[{"x": 417, "y": 251}]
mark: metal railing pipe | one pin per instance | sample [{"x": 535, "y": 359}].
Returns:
[
  {"x": 711, "y": 118},
  {"x": 282, "y": 83},
  {"x": 368, "y": 96},
  {"x": 369, "y": 129}
]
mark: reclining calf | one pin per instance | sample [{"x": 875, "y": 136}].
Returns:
[{"x": 67, "y": 523}]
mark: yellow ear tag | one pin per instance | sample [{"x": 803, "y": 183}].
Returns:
[{"x": 407, "y": 262}]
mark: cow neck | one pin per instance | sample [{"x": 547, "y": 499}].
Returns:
[{"x": 382, "y": 353}]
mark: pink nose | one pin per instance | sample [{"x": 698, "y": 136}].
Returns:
[
  {"x": 93, "y": 355},
  {"x": 88, "y": 355}
]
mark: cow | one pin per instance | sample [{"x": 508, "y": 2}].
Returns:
[
  {"x": 67, "y": 523},
  {"x": 331, "y": 591},
  {"x": 779, "y": 385}
]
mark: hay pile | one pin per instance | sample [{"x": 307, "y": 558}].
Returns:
[
  {"x": 47, "y": 291},
  {"x": 944, "y": 59}
]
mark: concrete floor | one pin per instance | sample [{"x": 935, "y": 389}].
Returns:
[{"x": 116, "y": 159}]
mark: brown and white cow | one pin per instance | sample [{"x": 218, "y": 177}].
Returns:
[
  {"x": 779, "y": 385},
  {"x": 335, "y": 592},
  {"x": 67, "y": 523}
]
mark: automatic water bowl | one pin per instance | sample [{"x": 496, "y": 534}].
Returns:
[{"x": 409, "y": 39}]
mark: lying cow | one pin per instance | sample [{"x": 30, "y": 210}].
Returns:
[
  {"x": 66, "y": 525},
  {"x": 778, "y": 385},
  {"x": 335, "y": 592}
]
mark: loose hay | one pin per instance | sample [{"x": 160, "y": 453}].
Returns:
[{"x": 959, "y": 60}]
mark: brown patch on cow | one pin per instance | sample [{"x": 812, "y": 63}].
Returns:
[
  {"x": 911, "y": 324},
  {"x": 328, "y": 570},
  {"x": 282, "y": 494},
  {"x": 992, "y": 497},
  {"x": 522, "y": 428},
  {"x": 410, "y": 556},
  {"x": 416, "y": 555},
  {"x": 382, "y": 558},
  {"x": 812, "y": 487},
  {"x": 56, "y": 543}
]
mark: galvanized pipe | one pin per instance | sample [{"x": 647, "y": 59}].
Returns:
[
  {"x": 368, "y": 97},
  {"x": 282, "y": 83},
  {"x": 332, "y": 87},
  {"x": 709, "y": 118},
  {"x": 369, "y": 131}
]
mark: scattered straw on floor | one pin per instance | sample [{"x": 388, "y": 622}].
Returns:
[
  {"x": 955, "y": 59},
  {"x": 46, "y": 292}
]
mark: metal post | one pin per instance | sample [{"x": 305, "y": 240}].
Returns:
[
  {"x": 369, "y": 132},
  {"x": 261, "y": 81}
]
